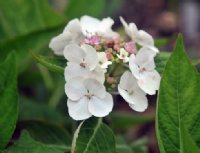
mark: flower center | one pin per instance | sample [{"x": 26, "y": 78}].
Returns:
[
  {"x": 100, "y": 62},
  {"x": 130, "y": 91},
  {"x": 89, "y": 95},
  {"x": 83, "y": 64},
  {"x": 123, "y": 55},
  {"x": 142, "y": 69}
]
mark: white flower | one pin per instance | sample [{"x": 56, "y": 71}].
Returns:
[
  {"x": 76, "y": 30},
  {"x": 139, "y": 36},
  {"x": 132, "y": 93},
  {"x": 103, "y": 61},
  {"x": 142, "y": 67},
  {"x": 123, "y": 55},
  {"x": 71, "y": 34},
  {"x": 92, "y": 26},
  {"x": 86, "y": 98},
  {"x": 82, "y": 61}
]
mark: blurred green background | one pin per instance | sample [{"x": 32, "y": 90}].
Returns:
[{"x": 28, "y": 25}]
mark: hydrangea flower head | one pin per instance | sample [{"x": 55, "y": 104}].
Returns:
[{"x": 95, "y": 53}]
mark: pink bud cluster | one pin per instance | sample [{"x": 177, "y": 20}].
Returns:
[{"x": 111, "y": 46}]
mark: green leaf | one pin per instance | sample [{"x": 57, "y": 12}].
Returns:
[
  {"x": 8, "y": 99},
  {"x": 95, "y": 137},
  {"x": 121, "y": 120},
  {"x": 37, "y": 41},
  {"x": 161, "y": 60},
  {"x": 31, "y": 28},
  {"x": 122, "y": 146},
  {"x": 178, "y": 103},
  {"x": 27, "y": 145},
  {"x": 48, "y": 63},
  {"x": 77, "y": 8},
  {"x": 96, "y": 8},
  {"x": 188, "y": 141},
  {"x": 32, "y": 15},
  {"x": 30, "y": 110},
  {"x": 47, "y": 133},
  {"x": 140, "y": 146}
]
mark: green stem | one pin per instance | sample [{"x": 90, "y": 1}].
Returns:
[
  {"x": 48, "y": 80},
  {"x": 56, "y": 96},
  {"x": 62, "y": 147}
]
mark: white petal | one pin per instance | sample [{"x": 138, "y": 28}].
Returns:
[
  {"x": 106, "y": 23},
  {"x": 127, "y": 81},
  {"x": 98, "y": 74},
  {"x": 78, "y": 110},
  {"x": 71, "y": 34},
  {"x": 103, "y": 61},
  {"x": 153, "y": 48},
  {"x": 106, "y": 64},
  {"x": 75, "y": 88},
  {"x": 58, "y": 43},
  {"x": 73, "y": 53},
  {"x": 141, "y": 105},
  {"x": 101, "y": 107},
  {"x": 134, "y": 67},
  {"x": 95, "y": 88},
  {"x": 145, "y": 58},
  {"x": 144, "y": 39},
  {"x": 125, "y": 95},
  {"x": 125, "y": 60},
  {"x": 91, "y": 57},
  {"x": 89, "y": 25},
  {"x": 73, "y": 70},
  {"x": 73, "y": 26},
  {"x": 105, "y": 28},
  {"x": 138, "y": 98},
  {"x": 149, "y": 82},
  {"x": 131, "y": 29},
  {"x": 129, "y": 89}
]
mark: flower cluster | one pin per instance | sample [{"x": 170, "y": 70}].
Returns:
[{"x": 94, "y": 54}]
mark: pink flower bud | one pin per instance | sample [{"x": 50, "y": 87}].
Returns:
[
  {"x": 117, "y": 47},
  {"x": 92, "y": 40},
  {"x": 130, "y": 47},
  {"x": 110, "y": 80},
  {"x": 116, "y": 39},
  {"x": 108, "y": 55}
]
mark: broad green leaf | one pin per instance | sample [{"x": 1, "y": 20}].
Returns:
[
  {"x": 77, "y": 8},
  {"x": 31, "y": 16},
  {"x": 47, "y": 133},
  {"x": 37, "y": 41},
  {"x": 30, "y": 110},
  {"x": 96, "y": 8},
  {"x": 188, "y": 141},
  {"x": 121, "y": 120},
  {"x": 161, "y": 60},
  {"x": 122, "y": 146},
  {"x": 95, "y": 137},
  {"x": 178, "y": 104},
  {"x": 48, "y": 63},
  {"x": 27, "y": 145},
  {"x": 140, "y": 146},
  {"x": 8, "y": 99},
  {"x": 31, "y": 28}
]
